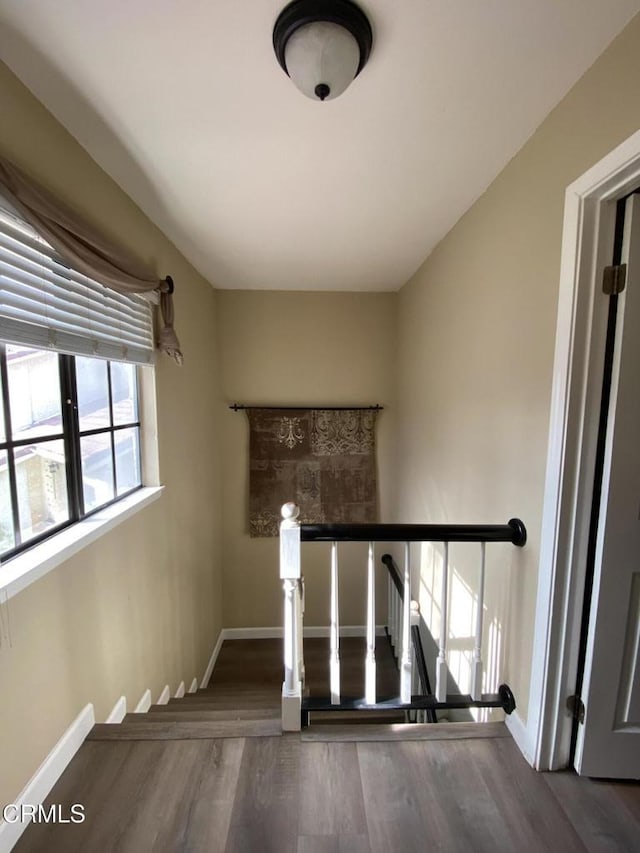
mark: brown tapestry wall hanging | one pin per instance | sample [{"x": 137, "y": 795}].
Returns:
[{"x": 322, "y": 459}]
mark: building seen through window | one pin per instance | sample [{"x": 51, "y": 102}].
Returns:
[{"x": 69, "y": 440}]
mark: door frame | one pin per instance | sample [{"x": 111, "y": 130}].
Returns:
[{"x": 587, "y": 247}]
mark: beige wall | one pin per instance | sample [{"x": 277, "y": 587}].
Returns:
[
  {"x": 476, "y": 332},
  {"x": 141, "y": 607},
  {"x": 298, "y": 348}
]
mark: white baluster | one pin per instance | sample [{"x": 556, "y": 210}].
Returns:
[
  {"x": 390, "y": 607},
  {"x": 370, "y": 659},
  {"x": 397, "y": 620},
  {"x": 334, "y": 658},
  {"x": 441, "y": 664},
  {"x": 416, "y": 686},
  {"x": 415, "y": 679},
  {"x": 405, "y": 657},
  {"x": 291, "y": 577},
  {"x": 299, "y": 624},
  {"x": 394, "y": 598},
  {"x": 476, "y": 671}
]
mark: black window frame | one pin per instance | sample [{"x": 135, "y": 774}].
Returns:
[{"x": 71, "y": 434}]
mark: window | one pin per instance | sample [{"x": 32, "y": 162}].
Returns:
[
  {"x": 70, "y": 429},
  {"x": 69, "y": 441}
]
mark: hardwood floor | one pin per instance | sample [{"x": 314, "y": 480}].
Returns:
[{"x": 289, "y": 794}]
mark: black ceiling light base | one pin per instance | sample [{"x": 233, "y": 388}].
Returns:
[
  {"x": 342, "y": 12},
  {"x": 322, "y": 91}
]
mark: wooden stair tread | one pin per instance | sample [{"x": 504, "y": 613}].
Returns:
[
  {"x": 226, "y": 703},
  {"x": 333, "y": 718},
  {"x": 253, "y": 685},
  {"x": 228, "y": 707},
  {"x": 231, "y": 690},
  {"x": 177, "y": 730},
  {"x": 404, "y": 731},
  {"x": 178, "y": 714}
]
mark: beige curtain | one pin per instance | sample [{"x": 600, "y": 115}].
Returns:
[{"x": 86, "y": 250}]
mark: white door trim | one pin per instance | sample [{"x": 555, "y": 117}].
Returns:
[{"x": 587, "y": 245}]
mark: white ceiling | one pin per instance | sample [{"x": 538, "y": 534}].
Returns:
[{"x": 185, "y": 106}]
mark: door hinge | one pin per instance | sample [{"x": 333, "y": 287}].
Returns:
[
  {"x": 614, "y": 279},
  {"x": 575, "y": 706}
]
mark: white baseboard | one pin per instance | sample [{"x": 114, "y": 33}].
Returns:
[
  {"x": 45, "y": 777},
  {"x": 194, "y": 686},
  {"x": 251, "y": 633},
  {"x": 345, "y": 631},
  {"x": 144, "y": 704},
  {"x": 180, "y": 691},
  {"x": 164, "y": 697},
  {"x": 212, "y": 660},
  {"x": 520, "y": 734},
  {"x": 276, "y": 633},
  {"x": 118, "y": 712}
]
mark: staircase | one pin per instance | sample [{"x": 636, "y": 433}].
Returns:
[
  {"x": 243, "y": 698},
  {"x": 206, "y": 714},
  {"x": 324, "y": 678}
]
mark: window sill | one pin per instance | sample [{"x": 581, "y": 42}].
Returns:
[{"x": 33, "y": 564}]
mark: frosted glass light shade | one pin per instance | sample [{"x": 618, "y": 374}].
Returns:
[{"x": 322, "y": 54}]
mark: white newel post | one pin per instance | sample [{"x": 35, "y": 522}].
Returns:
[
  {"x": 291, "y": 577},
  {"x": 476, "y": 672},
  {"x": 441, "y": 663}
]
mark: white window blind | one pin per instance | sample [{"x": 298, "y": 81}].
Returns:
[{"x": 44, "y": 304}]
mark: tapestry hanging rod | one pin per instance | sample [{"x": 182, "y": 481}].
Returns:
[{"x": 236, "y": 407}]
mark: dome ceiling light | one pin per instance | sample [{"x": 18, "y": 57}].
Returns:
[{"x": 322, "y": 45}]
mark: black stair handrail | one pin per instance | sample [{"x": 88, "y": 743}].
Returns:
[
  {"x": 416, "y": 639},
  {"x": 514, "y": 531},
  {"x": 421, "y": 663},
  {"x": 394, "y": 572}
]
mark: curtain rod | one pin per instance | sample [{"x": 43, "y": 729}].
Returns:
[{"x": 236, "y": 407}]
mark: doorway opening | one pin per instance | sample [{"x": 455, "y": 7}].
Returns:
[
  {"x": 599, "y": 467},
  {"x": 589, "y": 237}
]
